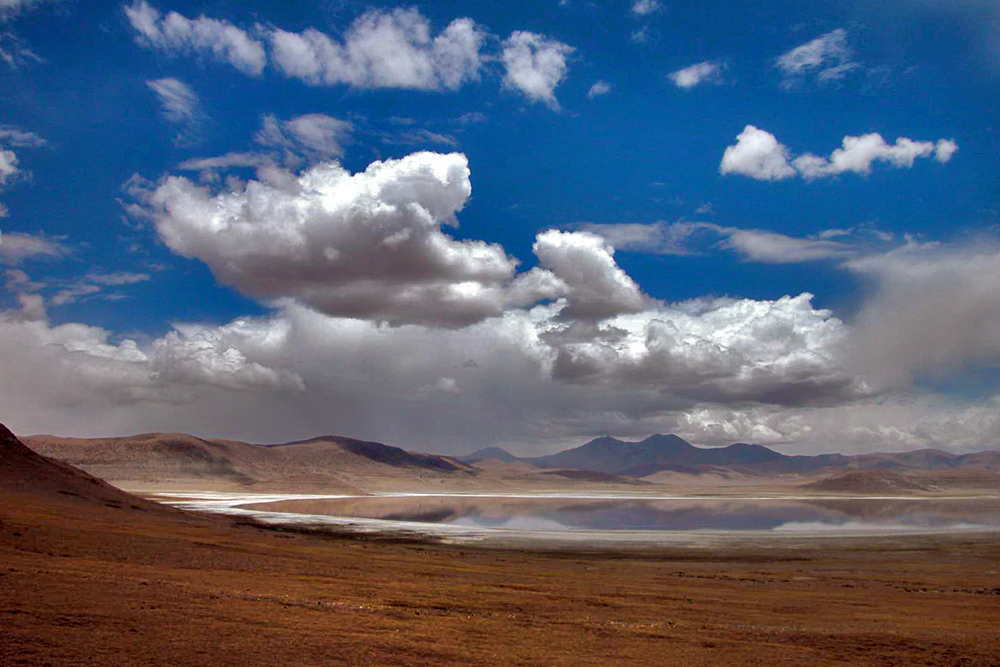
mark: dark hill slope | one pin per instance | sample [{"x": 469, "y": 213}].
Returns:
[
  {"x": 24, "y": 473},
  {"x": 375, "y": 452}
]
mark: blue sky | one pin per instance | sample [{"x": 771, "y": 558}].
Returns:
[{"x": 448, "y": 226}]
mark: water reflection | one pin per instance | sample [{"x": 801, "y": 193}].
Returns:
[{"x": 562, "y": 514}]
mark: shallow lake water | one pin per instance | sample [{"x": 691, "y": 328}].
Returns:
[{"x": 562, "y": 514}]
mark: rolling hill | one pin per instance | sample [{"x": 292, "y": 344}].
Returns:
[
  {"x": 175, "y": 461},
  {"x": 337, "y": 464},
  {"x": 868, "y": 482}
]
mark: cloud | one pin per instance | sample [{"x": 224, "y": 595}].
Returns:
[
  {"x": 532, "y": 372},
  {"x": 320, "y": 136},
  {"x": 181, "y": 107},
  {"x": 227, "y": 161},
  {"x": 858, "y": 154},
  {"x": 535, "y": 66},
  {"x": 755, "y": 245},
  {"x": 714, "y": 370},
  {"x": 828, "y": 57},
  {"x": 704, "y": 72},
  {"x": 176, "y": 34},
  {"x": 16, "y": 248},
  {"x": 599, "y": 88},
  {"x": 393, "y": 49},
  {"x": 8, "y": 166},
  {"x": 472, "y": 117},
  {"x": 759, "y": 155},
  {"x": 773, "y": 248},
  {"x": 420, "y": 137},
  {"x": 383, "y": 50},
  {"x": 725, "y": 351},
  {"x": 93, "y": 284},
  {"x": 646, "y": 7},
  {"x": 10, "y": 169},
  {"x": 935, "y": 309},
  {"x": 944, "y": 150},
  {"x": 17, "y": 137},
  {"x": 9, "y": 9},
  {"x": 217, "y": 356},
  {"x": 900, "y": 424},
  {"x": 641, "y": 35},
  {"x": 14, "y": 52},
  {"x": 310, "y": 138},
  {"x": 659, "y": 238},
  {"x": 86, "y": 367},
  {"x": 298, "y": 373},
  {"x": 596, "y": 288},
  {"x": 367, "y": 245}
]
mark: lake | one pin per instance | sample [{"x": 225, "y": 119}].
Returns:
[{"x": 546, "y": 514}]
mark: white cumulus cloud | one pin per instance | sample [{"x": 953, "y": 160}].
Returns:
[
  {"x": 367, "y": 245},
  {"x": 384, "y": 50},
  {"x": 535, "y": 66},
  {"x": 759, "y": 155},
  {"x": 596, "y": 287}
]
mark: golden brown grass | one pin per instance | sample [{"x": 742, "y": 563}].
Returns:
[{"x": 82, "y": 583}]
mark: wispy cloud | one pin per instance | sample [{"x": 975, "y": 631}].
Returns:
[
  {"x": 319, "y": 136},
  {"x": 709, "y": 71},
  {"x": 181, "y": 107},
  {"x": 599, "y": 88},
  {"x": 16, "y": 247},
  {"x": 95, "y": 285},
  {"x": 646, "y": 7},
  {"x": 177, "y": 34},
  {"x": 828, "y": 58}
]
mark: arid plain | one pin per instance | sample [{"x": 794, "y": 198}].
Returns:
[{"x": 92, "y": 575}]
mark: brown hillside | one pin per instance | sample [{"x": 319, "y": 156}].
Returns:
[
  {"x": 870, "y": 481},
  {"x": 176, "y": 461},
  {"x": 26, "y": 473}
]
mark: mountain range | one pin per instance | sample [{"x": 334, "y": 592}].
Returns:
[
  {"x": 659, "y": 453},
  {"x": 336, "y": 464}
]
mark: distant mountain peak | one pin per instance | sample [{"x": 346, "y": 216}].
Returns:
[{"x": 487, "y": 453}]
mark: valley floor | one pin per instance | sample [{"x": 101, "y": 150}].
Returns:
[{"x": 90, "y": 584}]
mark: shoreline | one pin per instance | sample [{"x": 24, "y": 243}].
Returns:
[{"x": 235, "y": 505}]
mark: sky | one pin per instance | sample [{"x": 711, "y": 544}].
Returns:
[{"x": 450, "y": 225}]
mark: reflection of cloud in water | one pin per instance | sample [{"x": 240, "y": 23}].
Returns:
[{"x": 514, "y": 523}]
